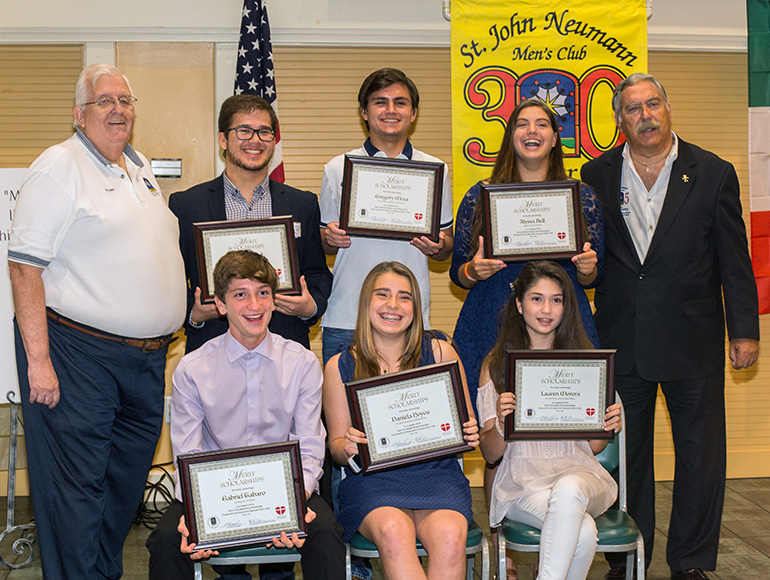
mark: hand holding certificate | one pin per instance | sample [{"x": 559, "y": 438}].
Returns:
[
  {"x": 272, "y": 237},
  {"x": 391, "y": 198},
  {"x": 524, "y": 221},
  {"x": 248, "y": 495},
  {"x": 560, "y": 394},
  {"x": 409, "y": 416}
]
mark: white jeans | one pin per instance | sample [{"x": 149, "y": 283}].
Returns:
[{"x": 568, "y": 531}]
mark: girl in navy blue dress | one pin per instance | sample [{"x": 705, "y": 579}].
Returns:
[{"x": 429, "y": 501}]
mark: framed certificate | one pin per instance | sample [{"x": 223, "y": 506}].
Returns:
[
  {"x": 272, "y": 237},
  {"x": 242, "y": 496},
  {"x": 391, "y": 198},
  {"x": 527, "y": 221},
  {"x": 409, "y": 416},
  {"x": 560, "y": 394}
]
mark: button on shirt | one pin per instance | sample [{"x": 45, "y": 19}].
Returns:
[
  {"x": 227, "y": 396},
  {"x": 236, "y": 206},
  {"x": 641, "y": 208}
]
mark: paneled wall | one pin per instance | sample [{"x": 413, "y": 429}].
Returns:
[{"x": 37, "y": 91}]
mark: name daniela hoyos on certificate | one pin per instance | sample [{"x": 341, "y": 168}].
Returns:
[
  {"x": 409, "y": 416},
  {"x": 560, "y": 394}
]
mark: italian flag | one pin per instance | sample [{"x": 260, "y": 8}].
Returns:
[{"x": 758, "y": 16}]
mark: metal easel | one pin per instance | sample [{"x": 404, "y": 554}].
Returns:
[{"x": 25, "y": 543}]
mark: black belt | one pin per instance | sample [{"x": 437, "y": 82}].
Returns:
[{"x": 146, "y": 344}]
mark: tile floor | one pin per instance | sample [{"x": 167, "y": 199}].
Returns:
[{"x": 744, "y": 546}]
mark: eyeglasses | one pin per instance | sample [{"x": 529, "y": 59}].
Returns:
[
  {"x": 126, "y": 101},
  {"x": 244, "y": 133}
]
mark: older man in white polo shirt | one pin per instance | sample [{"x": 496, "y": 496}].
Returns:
[{"x": 98, "y": 287}]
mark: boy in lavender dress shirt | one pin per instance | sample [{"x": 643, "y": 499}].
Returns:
[{"x": 248, "y": 387}]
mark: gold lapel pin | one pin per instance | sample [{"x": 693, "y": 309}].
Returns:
[{"x": 685, "y": 178}]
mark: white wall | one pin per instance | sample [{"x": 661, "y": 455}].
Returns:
[{"x": 675, "y": 24}]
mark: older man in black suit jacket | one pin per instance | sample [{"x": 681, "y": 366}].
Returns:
[
  {"x": 247, "y": 136},
  {"x": 675, "y": 244}
]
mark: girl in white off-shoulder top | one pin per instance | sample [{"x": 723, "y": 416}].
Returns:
[{"x": 556, "y": 486}]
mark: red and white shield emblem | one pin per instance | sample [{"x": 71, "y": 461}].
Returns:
[
  {"x": 561, "y": 235},
  {"x": 418, "y": 216},
  {"x": 278, "y": 271},
  {"x": 280, "y": 510},
  {"x": 445, "y": 427},
  {"x": 590, "y": 411}
]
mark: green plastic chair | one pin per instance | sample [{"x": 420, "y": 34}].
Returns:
[
  {"x": 616, "y": 529},
  {"x": 252, "y": 555},
  {"x": 476, "y": 543}
]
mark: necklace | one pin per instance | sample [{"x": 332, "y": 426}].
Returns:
[{"x": 648, "y": 165}]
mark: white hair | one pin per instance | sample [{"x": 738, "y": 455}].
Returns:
[{"x": 87, "y": 80}]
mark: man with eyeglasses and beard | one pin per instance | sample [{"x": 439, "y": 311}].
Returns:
[
  {"x": 98, "y": 288},
  {"x": 247, "y": 125}
]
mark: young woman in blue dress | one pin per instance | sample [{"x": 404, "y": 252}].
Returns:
[
  {"x": 429, "y": 501},
  {"x": 531, "y": 151}
]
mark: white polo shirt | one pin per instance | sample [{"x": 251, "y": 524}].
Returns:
[
  {"x": 105, "y": 238},
  {"x": 354, "y": 263}
]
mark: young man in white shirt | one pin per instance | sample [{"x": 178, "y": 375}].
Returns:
[{"x": 388, "y": 101}]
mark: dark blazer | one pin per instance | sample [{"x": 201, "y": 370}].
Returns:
[
  {"x": 206, "y": 202},
  {"x": 666, "y": 316}
]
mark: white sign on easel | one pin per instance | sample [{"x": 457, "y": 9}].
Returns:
[{"x": 10, "y": 180}]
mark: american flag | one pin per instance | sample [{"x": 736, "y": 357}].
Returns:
[{"x": 254, "y": 74}]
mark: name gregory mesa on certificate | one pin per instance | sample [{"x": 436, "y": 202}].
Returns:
[
  {"x": 396, "y": 200},
  {"x": 391, "y": 198}
]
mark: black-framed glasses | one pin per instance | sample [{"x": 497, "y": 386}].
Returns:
[
  {"x": 244, "y": 133},
  {"x": 126, "y": 101}
]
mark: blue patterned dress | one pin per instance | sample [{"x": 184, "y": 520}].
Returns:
[
  {"x": 434, "y": 484},
  {"x": 477, "y": 324}
]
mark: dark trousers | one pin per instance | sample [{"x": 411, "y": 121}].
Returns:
[
  {"x": 323, "y": 554},
  {"x": 697, "y": 411},
  {"x": 89, "y": 456}
]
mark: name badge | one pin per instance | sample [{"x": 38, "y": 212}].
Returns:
[
  {"x": 150, "y": 187},
  {"x": 625, "y": 209}
]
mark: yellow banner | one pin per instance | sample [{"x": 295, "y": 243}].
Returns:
[{"x": 570, "y": 58}]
